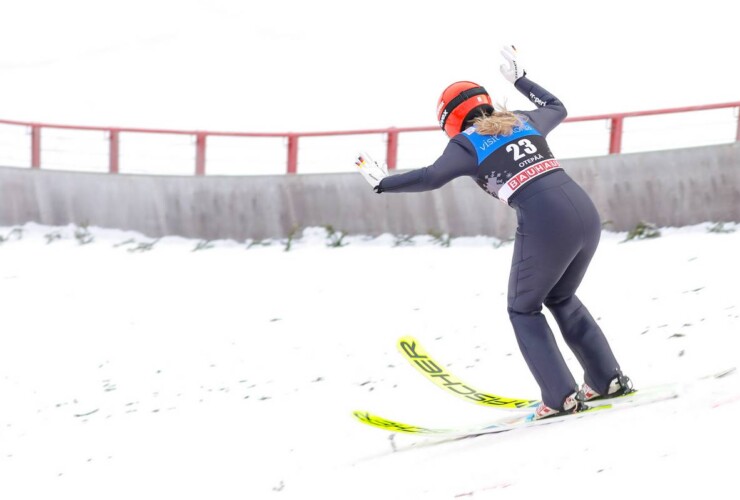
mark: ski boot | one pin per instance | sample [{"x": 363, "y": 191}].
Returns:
[{"x": 619, "y": 386}]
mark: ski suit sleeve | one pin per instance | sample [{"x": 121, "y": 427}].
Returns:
[
  {"x": 456, "y": 161},
  {"x": 550, "y": 111}
]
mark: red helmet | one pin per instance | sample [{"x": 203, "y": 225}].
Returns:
[{"x": 457, "y": 102}]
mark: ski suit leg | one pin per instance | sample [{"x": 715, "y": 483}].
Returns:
[
  {"x": 580, "y": 331},
  {"x": 552, "y": 250}
]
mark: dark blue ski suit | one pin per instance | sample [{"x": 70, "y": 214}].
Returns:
[{"x": 557, "y": 235}]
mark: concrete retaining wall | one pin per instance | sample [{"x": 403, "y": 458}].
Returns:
[{"x": 669, "y": 188}]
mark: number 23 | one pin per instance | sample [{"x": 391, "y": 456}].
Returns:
[{"x": 525, "y": 144}]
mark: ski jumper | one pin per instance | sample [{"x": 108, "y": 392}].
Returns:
[{"x": 557, "y": 234}]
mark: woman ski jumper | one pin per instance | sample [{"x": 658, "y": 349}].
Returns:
[{"x": 558, "y": 229}]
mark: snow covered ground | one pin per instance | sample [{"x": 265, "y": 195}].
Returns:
[{"x": 175, "y": 368}]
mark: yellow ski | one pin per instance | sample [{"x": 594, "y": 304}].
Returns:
[
  {"x": 394, "y": 426},
  {"x": 501, "y": 425},
  {"x": 436, "y": 373}
]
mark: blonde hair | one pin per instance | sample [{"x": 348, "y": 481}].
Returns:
[{"x": 500, "y": 122}]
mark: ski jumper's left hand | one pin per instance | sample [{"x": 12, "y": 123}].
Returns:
[{"x": 372, "y": 171}]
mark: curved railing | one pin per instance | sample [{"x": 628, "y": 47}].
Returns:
[{"x": 392, "y": 134}]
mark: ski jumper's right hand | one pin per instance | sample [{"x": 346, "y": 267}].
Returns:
[{"x": 512, "y": 70}]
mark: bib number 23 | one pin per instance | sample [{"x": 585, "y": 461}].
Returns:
[{"x": 521, "y": 148}]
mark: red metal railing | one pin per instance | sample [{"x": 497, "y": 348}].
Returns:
[{"x": 392, "y": 136}]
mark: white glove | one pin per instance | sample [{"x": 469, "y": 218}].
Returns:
[
  {"x": 513, "y": 70},
  {"x": 371, "y": 170}
]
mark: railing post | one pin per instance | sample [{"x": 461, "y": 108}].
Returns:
[
  {"x": 615, "y": 138},
  {"x": 292, "y": 153},
  {"x": 35, "y": 146},
  {"x": 200, "y": 153},
  {"x": 114, "y": 149},
  {"x": 391, "y": 155},
  {"x": 737, "y": 134}
]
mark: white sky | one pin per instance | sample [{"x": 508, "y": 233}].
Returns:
[
  {"x": 331, "y": 65},
  {"x": 175, "y": 373}
]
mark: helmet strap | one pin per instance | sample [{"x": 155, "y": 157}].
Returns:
[{"x": 459, "y": 99}]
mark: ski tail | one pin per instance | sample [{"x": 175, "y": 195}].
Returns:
[{"x": 415, "y": 354}]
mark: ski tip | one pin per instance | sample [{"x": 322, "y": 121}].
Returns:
[
  {"x": 392, "y": 425},
  {"x": 407, "y": 344}
]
